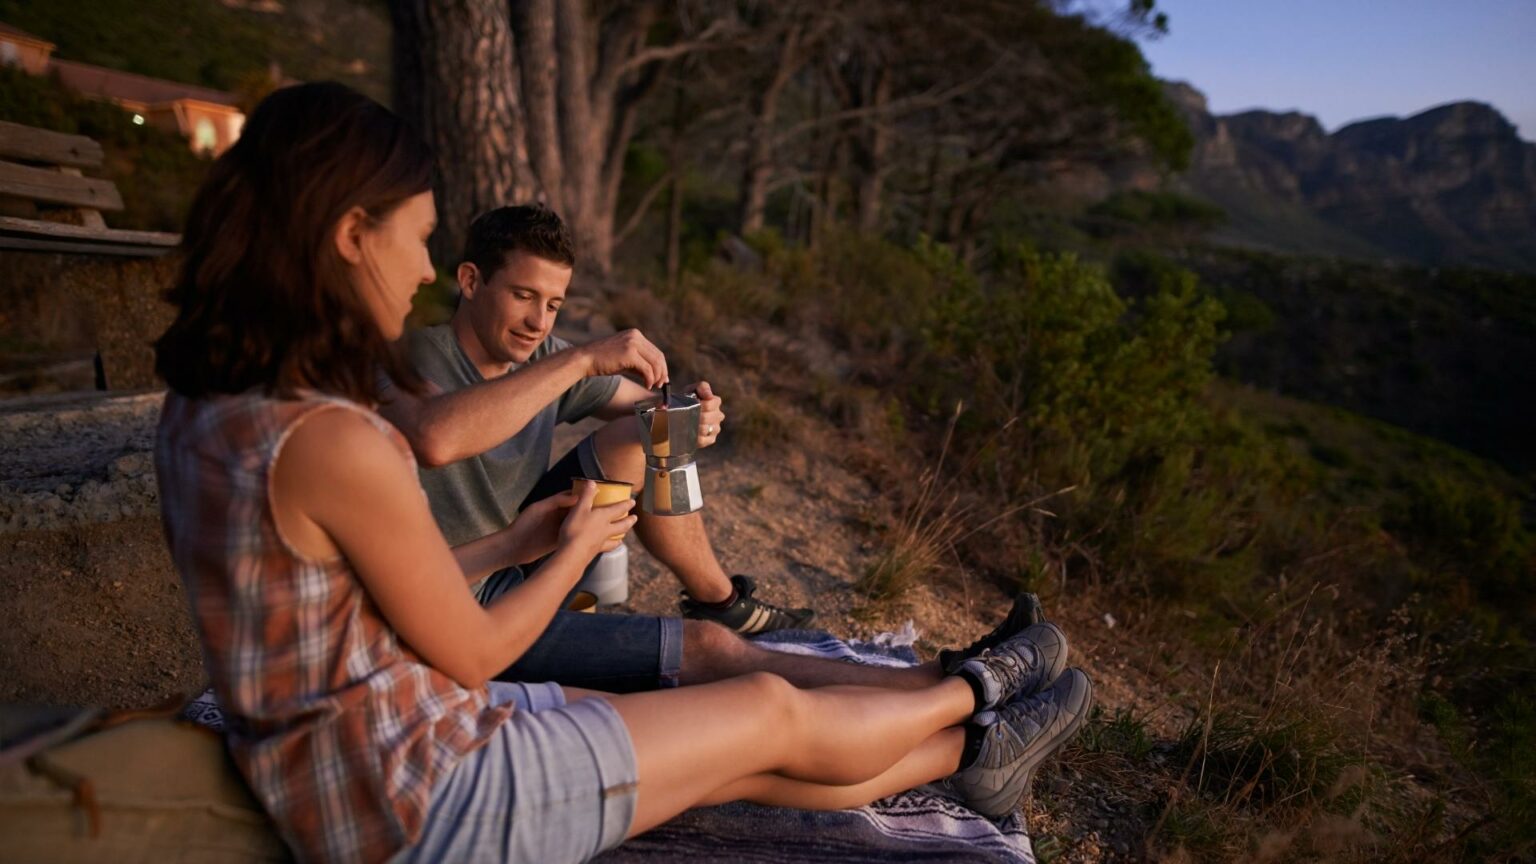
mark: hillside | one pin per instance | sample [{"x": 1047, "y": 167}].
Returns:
[
  {"x": 1440, "y": 351},
  {"x": 224, "y": 44},
  {"x": 1451, "y": 185}
]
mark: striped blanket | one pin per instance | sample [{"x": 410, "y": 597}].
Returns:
[{"x": 913, "y": 826}]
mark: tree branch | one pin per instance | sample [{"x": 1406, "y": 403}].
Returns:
[
  {"x": 932, "y": 98},
  {"x": 642, "y": 206},
  {"x": 705, "y": 41}
]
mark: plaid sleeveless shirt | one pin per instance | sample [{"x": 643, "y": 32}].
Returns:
[{"x": 340, "y": 729}]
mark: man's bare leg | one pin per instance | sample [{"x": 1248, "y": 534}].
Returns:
[
  {"x": 713, "y": 653},
  {"x": 680, "y": 543}
]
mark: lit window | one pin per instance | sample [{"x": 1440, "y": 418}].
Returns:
[
  {"x": 138, "y": 119},
  {"x": 206, "y": 138}
]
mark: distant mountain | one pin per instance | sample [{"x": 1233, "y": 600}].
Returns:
[{"x": 1451, "y": 185}]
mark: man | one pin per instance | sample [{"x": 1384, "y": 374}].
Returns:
[{"x": 498, "y": 383}]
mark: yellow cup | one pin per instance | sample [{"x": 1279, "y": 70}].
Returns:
[
  {"x": 608, "y": 492},
  {"x": 582, "y": 601}
]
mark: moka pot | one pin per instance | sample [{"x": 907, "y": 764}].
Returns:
[{"x": 669, "y": 433}]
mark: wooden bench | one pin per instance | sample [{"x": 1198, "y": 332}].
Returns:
[{"x": 40, "y": 172}]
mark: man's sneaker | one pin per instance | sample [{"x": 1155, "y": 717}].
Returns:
[
  {"x": 1016, "y": 739},
  {"x": 1025, "y": 664},
  {"x": 1024, "y": 612},
  {"x": 746, "y": 614}
]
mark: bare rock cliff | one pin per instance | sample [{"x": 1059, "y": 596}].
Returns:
[{"x": 1451, "y": 185}]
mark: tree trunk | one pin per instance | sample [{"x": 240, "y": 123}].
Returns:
[
  {"x": 583, "y": 80},
  {"x": 533, "y": 24},
  {"x": 874, "y": 146},
  {"x": 456, "y": 81},
  {"x": 758, "y": 168},
  {"x": 675, "y": 193},
  {"x": 931, "y": 199}
]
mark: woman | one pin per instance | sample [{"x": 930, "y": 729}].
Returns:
[{"x": 338, "y": 627}]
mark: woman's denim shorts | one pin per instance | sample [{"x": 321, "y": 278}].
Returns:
[{"x": 556, "y": 783}]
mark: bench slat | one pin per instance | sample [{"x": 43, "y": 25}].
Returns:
[
  {"x": 40, "y": 184},
  {"x": 78, "y": 247},
  {"x": 40, "y": 145},
  {"x": 14, "y": 226}
]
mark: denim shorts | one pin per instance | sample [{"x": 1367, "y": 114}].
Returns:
[
  {"x": 612, "y": 653},
  {"x": 615, "y": 653},
  {"x": 556, "y": 783}
]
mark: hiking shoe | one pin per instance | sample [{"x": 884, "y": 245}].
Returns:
[
  {"x": 1017, "y": 738},
  {"x": 1024, "y": 612},
  {"x": 746, "y": 614},
  {"x": 1023, "y": 665}
]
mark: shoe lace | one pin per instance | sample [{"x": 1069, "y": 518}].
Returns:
[{"x": 1025, "y": 713}]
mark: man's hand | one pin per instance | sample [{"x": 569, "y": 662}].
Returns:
[
  {"x": 628, "y": 351},
  {"x": 710, "y": 415},
  {"x": 536, "y": 530}
]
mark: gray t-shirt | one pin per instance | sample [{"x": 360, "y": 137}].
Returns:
[{"x": 479, "y": 495}]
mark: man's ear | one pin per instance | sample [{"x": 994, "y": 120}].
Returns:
[
  {"x": 468, "y": 276},
  {"x": 348, "y": 235}
]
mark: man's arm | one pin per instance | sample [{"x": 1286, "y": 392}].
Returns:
[
  {"x": 711, "y": 417},
  {"x": 446, "y": 427},
  {"x": 623, "y": 401}
]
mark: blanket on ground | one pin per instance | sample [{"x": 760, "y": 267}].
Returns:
[{"x": 912, "y": 826}]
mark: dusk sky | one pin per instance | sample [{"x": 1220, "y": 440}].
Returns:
[{"x": 1345, "y": 60}]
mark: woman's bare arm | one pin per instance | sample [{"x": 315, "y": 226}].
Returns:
[{"x": 340, "y": 485}]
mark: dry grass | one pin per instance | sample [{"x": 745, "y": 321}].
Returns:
[{"x": 924, "y": 534}]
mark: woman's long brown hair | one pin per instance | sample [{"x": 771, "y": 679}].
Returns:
[{"x": 264, "y": 299}]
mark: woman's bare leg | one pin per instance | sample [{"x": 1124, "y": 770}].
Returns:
[
  {"x": 694, "y": 742},
  {"x": 935, "y": 758}
]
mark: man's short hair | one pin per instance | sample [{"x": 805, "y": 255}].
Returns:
[{"x": 531, "y": 228}]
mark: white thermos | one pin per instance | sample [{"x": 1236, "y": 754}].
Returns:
[{"x": 608, "y": 577}]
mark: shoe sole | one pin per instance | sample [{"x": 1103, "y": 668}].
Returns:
[{"x": 1028, "y": 763}]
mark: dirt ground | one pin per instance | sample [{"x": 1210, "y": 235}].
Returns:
[{"x": 94, "y": 615}]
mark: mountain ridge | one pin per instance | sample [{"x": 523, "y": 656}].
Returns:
[{"x": 1451, "y": 185}]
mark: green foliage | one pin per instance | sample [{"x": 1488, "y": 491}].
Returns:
[
  {"x": 1118, "y": 78},
  {"x": 1291, "y": 756},
  {"x": 155, "y": 171},
  {"x": 1122, "y": 733},
  {"x": 1511, "y": 761},
  {"x": 1472, "y": 529},
  {"x": 212, "y": 44},
  {"x": 1195, "y": 829},
  {"x": 1441, "y": 352},
  {"x": 1140, "y": 209}
]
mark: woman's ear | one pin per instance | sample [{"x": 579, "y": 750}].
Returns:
[
  {"x": 468, "y": 276},
  {"x": 349, "y": 235}
]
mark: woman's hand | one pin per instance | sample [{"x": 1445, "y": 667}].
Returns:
[
  {"x": 590, "y": 530},
  {"x": 536, "y": 530}
]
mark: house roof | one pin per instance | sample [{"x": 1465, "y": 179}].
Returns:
[
  {"x": 114, "y": 84},
  {"x": 8, "y": 30}
]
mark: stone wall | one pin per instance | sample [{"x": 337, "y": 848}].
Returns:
[{"x": 57, "y": 310}]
